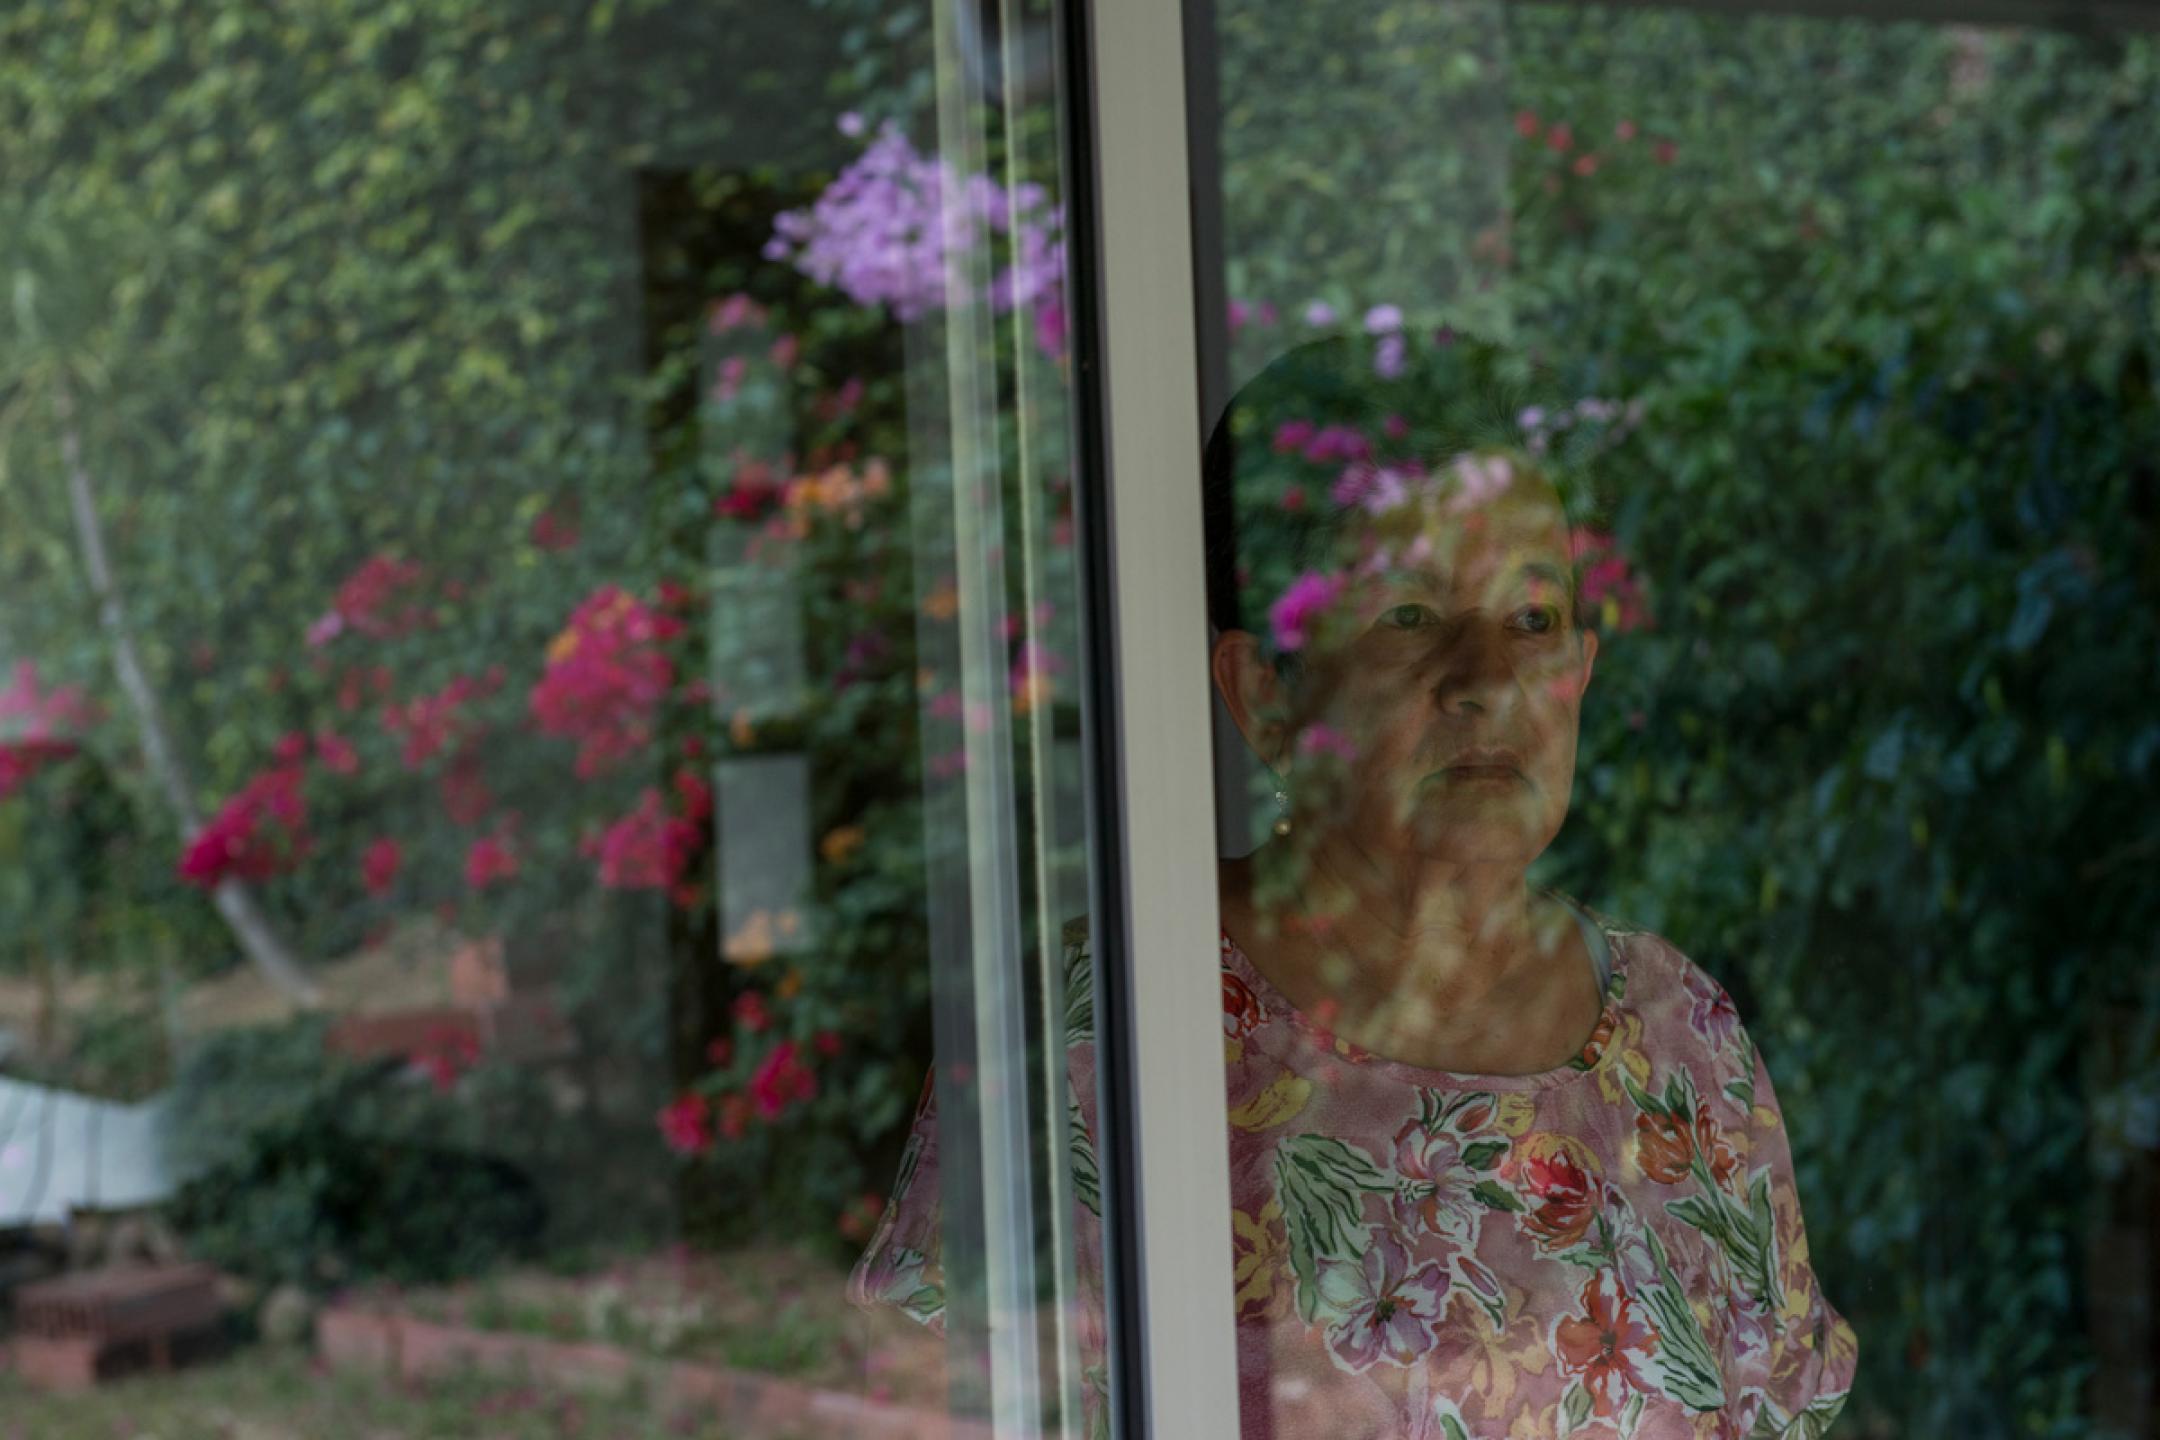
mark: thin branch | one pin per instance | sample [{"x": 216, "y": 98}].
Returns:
[{"x": 234, "y": 900}]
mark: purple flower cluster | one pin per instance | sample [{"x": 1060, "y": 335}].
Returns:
[{"x": 883, "y": 231}]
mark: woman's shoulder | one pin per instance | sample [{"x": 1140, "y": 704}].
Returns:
[{"x": 1677, "y": 1002}]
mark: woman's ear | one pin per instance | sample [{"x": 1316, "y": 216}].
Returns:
[
  {"x": 1251, "y": 691},
  {"x": 1589, "y": 659}
]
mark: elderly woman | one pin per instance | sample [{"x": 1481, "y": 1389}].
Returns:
[{"x": 1500, "y": 1165}]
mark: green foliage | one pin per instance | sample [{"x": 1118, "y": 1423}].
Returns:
[
  {"x": 307, "y": 1168},
  {"x": 1886, "y": 760}
]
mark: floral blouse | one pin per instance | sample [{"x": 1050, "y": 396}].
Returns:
[{"x": 1613, "y": 1248}]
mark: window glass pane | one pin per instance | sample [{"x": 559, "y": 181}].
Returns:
[
  {"x": 540, "y": 691},
  {"x": 1681, "y": 501}
]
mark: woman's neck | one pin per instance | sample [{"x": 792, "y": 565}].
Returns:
[{"x": 1453, "y": 967}]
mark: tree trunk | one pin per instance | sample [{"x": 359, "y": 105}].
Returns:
[{"x": 258, "y": 941}]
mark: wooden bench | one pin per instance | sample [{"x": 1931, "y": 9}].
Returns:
[{"x": 76, "y": 1330}]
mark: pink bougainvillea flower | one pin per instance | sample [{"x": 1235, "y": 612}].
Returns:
[
  {"x": 430, "y": 724},
  {"x": 489, "y": 860},
  {"x": 1336, "y": 444},
  {"x": 465, "y": 794},
  {"x": 648, "y": 849},
  {"x": 1326, "y": 740},
  {"x": 379, "y": 866},
  {"x": 686, "y": 1124},
  {"x": 21, "y": 759},
  {"x": 258, "y": 833},
  {"x": 750, "y": 1012},
  {"x": 367, "y": 602},
  {"x": 607, "y": 673},
  {"x": 336, "y": 753},
  {"x": 555, "y": 530},
  {"x": 1293, "y": 435},
  {"x": 1561, "y": 137},
  {"x": 1478, "y": 480},
  {"x": 784, "y": 352},
  {"x": 1609, "y": 583},
  {"x": 1527, "y": 124},
  {"x": 781, "y": 1079},
  {"x": 1625, "y": 131},
  {"x": 1375, "y": 489},
  {"x": 29, "y": 713},
  {"x": 447, "y": 1052},
  {"x": 1292, "y": 617},
  {"x": 733, "y": 312},
  {"x": 727, "y": 383}
]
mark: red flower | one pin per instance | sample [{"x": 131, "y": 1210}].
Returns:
[
  {"x": 750, "y": 1012},
  {"x": 607, "y": 672},
  {"x": 720, "y": 1053},
  {"x": 430, "y": 724},
  {"x": 447, "y": 1052},
  {"x": 648, "y": 849},
  {"x": 336, "y": 752},
  {"x": 1608, "y": 581},
  {"x": 260, "y": 832},
  {"x": 363, "y": 602},
  {"x": 1664, "y": 152},
  {"x": 490, "y": 859},
  {"x": 755, "y": 490},
  {"x": 24, "y": 758},
  {"x": 465, "y": 793},
  {"x": 1561, "y": 137},
  {"x": 1527, "y": 124},
  {"x": 686, "y": 1124},
  {"x": 552, "y": 531},
  {"x": 781, "y": 1079},
  {"x": 380, "y": 865},
  {"x": 1558, "y": 1172}
]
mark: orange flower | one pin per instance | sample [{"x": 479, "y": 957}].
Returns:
[
  {"x": 841, "y": 842},
  {"x": 1718, "y": 1155},
  {"x": 1664, "y": 1146}
]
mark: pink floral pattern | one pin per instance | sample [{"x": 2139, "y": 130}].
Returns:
[{"x": 1613, "y": 1248}]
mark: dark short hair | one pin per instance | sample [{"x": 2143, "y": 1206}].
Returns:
[{"x": 1452, "y": 396}]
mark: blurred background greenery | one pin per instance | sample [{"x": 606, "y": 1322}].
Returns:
[{"x": 354, "y": 280}]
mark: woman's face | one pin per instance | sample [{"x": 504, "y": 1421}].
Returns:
[{"x": 1447, "y": 686}]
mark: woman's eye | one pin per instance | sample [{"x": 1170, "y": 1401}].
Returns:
[
  {"x": 1406, "y": 617},
  {"x": 1546, "y": 616}
]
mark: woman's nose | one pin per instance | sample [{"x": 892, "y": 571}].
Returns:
[{"x": 1472, "y": 671}]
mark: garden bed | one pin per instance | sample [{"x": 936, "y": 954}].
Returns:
[{"x": 763, "y": 1339}]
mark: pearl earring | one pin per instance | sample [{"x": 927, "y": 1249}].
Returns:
[{"x": 1282, "y": 809}]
